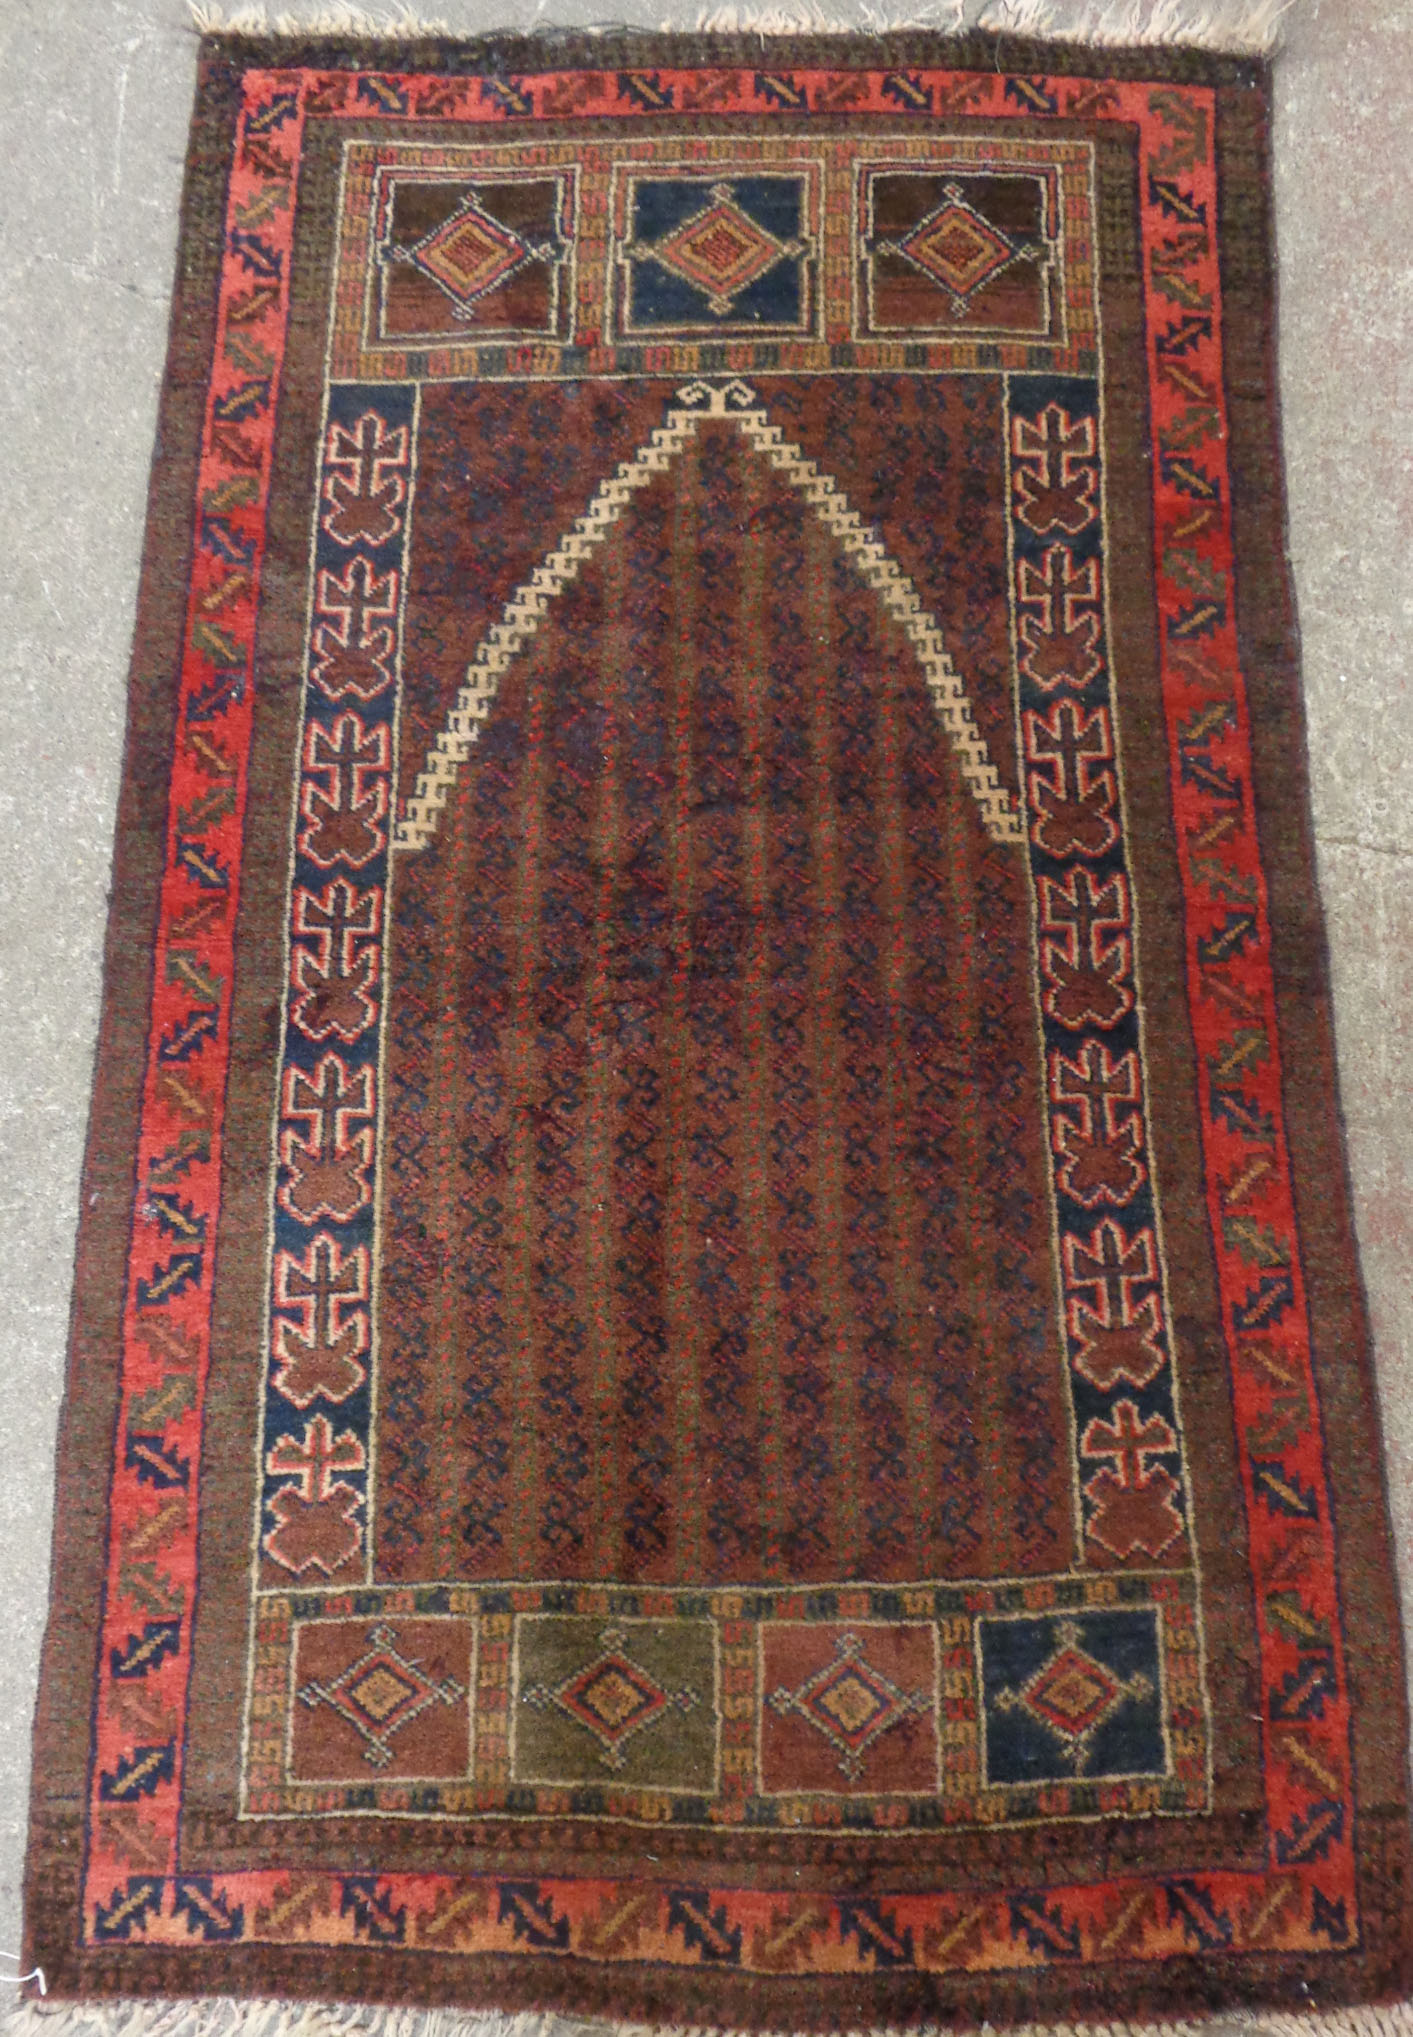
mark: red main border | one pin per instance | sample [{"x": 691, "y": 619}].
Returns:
[{"x": 1304, "y": 1899}]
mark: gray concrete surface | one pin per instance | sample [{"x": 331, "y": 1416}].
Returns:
[{"x": 94, "y": 100}]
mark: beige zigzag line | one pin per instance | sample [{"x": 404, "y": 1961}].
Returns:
[{"x": 529, "y": 605}]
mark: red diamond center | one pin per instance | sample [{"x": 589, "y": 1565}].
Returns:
[
  {"x": 470, "y": 254},
  {"x": 613, "y": 1697},
  {"x": 959, "y": 249},
  {"x": 1073, "y": 1692},
  {"x": 721, "y": 250}
]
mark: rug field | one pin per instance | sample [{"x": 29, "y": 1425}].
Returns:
[{"x": 718, "y": 1371}]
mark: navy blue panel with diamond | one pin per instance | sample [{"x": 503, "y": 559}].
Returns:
[
  {"x": 716, "y": 255},
  {"x": 1073, "y": 1695}
]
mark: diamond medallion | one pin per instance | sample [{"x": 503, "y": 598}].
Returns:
[
  {"x": 851, "y": 1703},
  {"x": 380, "y": 1693},
  {"x": 721, "y": 250},
  {"x": 1072, "y": 1695},
  {"x": 613, "y": 1697},
  {"x": 471, "y": 254},
  {"x": 957, "y": 248}
]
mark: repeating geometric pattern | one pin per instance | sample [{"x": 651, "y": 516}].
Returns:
[
  {"x": 755, "y": 253},
  {"x": 768, "y": 1711},
  {"x": 316, "y": 1439},
  {"x": 527, "y": 607},
  {"x": 1110, "y": 1247},
  {"x": 506, "y": 962},
  {"x": 138, "y": 1892}
]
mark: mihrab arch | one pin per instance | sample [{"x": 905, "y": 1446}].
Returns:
[{"x": 528, "y": 606}]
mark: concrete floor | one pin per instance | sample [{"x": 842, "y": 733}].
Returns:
[{"x": 94, "y": 101}]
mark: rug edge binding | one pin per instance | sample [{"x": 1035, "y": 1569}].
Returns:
[
  {"x": 211, "y": 2016},
  {"x": 1251, "y": 29}
]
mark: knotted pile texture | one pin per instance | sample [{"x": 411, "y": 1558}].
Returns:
[{"x": 718, "y": 1371}]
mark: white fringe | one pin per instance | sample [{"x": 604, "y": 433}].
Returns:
[
  {"x": 872, "y": 17},
  {"x": 212, "y": 19},
  {"x": 223, "y": 2018},
  {"x": 1248, "y": 27},
  {"x": 1245, "y": 27}
]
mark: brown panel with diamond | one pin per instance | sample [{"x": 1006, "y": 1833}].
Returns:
[
  {"x": 948, "y": 251},
  {"x": 381, "y": 1697},
  {"x": 849, "y": 1709},
  {"x": 484, "y": 257}
]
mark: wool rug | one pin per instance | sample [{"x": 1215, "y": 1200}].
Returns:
[{"x": 718, "y": 1373}]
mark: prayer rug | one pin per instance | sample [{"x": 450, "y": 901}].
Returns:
[{"x": 718, "y": 1372}]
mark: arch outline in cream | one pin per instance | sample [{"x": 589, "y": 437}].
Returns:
[{"x": 860, "y": 543}]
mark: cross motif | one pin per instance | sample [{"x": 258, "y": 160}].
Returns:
[
  {"x": 328, "y": 1163},
  {"x": 365, "y": 489},
  {"x": 316, "y": 1525},
  {"x": 1074, "y": 803},
  {"x": 353, "y": 648},
  {"x": 322, "y": 1354}
]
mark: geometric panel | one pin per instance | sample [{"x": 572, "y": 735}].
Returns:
[
  {"x": 849, "y": 1708},
  {"x": 381, "y": 1700},
  {"x": 513, "y": 260},
  {"x": 946, "y": 251},
  {"x": 749, "y": 1713},
  {"x": 626, "y": 1699},
  {"x": 708, "y": 255},
  {"x": 491, "y": 257},
  {"x": 1079, "y": 1695}
]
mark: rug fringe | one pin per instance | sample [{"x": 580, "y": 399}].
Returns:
[
  {"x": 219, "y": 2017},
  {"x": 212, "y": 19},
  {"x": 1253, "y": 29},
  {"x": 1127, "y": 23},
  {"x": 1247, "y": 27},
  {"x": 808, "y": 17}
]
